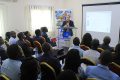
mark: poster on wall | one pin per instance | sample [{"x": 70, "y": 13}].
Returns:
[{"x": 61, "y": 15}]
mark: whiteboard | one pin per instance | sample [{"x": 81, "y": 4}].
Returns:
[{"x": 102, "y": 20}]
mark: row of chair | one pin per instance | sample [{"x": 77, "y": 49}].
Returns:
[{"x": 100, "y": 50}]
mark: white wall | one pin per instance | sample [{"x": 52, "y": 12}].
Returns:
[
  {"x": 76, "y": 6},
  {"x": 16, "y": 12}
]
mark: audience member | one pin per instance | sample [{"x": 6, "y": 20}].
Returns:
[
  {"x": 86, "y": 40},
  {"x": 28, "y": 52},
  {"x": 45, "y": 35},
  {"x": 49, "y": 58},
  {"x": 101, "y": 71},
  {"x": 76, "y": 45},
  {"x": 93, "y": 54},
  {"x": 12, "y": 39},
  {"x": 21, "y": 40},
  {"x": 116, "y": 56},
  {"x": 3, "y": 44},
  {"x": 3, "y": 49},
  {"x": 72, "y": 62},
  {"x": 11, "y": 66},
  {"x": 7, "y": 36},
  {"x": 38, "y": 37},
  {"x": 67, "y": 75},
  {"x": 106, "y": 42},
  {"x": 30, "y": 69},
  {"x": 28, "y": 37}
]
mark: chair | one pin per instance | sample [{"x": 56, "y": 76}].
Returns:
[
  {"x": 84, "y": 47},
  {"x": 4, "y": 77},
  {"x": 100, "y": 50},
  {"x": 87, "y": 61},
  {"x": 47, "y": 72},
  {"x": 115, "y": 68},
  {"x": 37, "y": 44},
  {"x": 91, "y": 79}
]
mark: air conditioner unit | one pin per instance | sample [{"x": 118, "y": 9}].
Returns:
[{"x": 8, "y": 0}]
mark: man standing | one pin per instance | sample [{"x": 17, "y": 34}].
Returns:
[{"x": 66, "y": 24}]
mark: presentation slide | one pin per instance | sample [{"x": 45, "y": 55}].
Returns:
[{"x": 98, "y": 21}]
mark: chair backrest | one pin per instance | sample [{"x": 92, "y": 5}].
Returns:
[
  {"x": 4, "y": 77},
  {"x": 100, "y": 50},
  {"x": 87, "y": 61},
  {"x": 84, "y": 47},
  {"x": 47, "y": 72},
  {"x": 91, "y": 79},
  {"x": 115, "y": 68}
]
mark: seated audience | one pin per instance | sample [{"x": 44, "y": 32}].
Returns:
[
  {"x": 86, "y": 40},
  {"x": 13, "y": 38},
  {"x": 38, "y": 37},
  {"x": 116, "y": 56},
  {"x": 30, "y": 69},
  {"x": 3, "y": 44},
  {"x": 49, "y": 58},
  {"x": 76, "y": 45},
  {"x": 3, "y": 49},
  {"x": 28, "y": 52},
  {"x": 93, "y": 54},
  {"x": 72, "y": 62},
  {"x": 7, "y": 36},
  {"x": 67, "y": 75},
  {"x": 28, "y": 37},
  {"x": 106, "y": 42},
  {"x": 11, "y": 66},
  {"x": 45, "y": 35},
  {"x": 101, "y": 71},
  {"x": 21, "y": 38}
]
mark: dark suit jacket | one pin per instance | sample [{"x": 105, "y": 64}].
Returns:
[{"x": 71, "y": 24}]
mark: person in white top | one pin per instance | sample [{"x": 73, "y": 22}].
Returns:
[
  {"x": 76, "y": 43},
  {"x": 12, "y": 39},
  {"x": 11, "y": 66},
  {"x": 93, "y": 54}
]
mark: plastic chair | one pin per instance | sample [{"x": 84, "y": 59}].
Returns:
[
  {"x": 4, "y": 77},
  {"x": 100, "y": 50},
  {"x": 87, "y": 61},
  {"x": 47, "y": 72},
  {"x": 115, "y": 68},
  {"x": 84, "y": 47},
  {"x": 91, "y": 79}
]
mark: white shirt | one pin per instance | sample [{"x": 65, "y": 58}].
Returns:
[
  {"x": 11, "y": 68},
  {"x": 78, "y": 48},
  {"x": 12, "y": 41},
  {"x": 93, "y": 55}
]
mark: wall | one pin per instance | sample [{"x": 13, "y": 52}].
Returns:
[
  {"x": 15, "y": 17},
  {"x": 16, "y": 13},
  {"x": 76, "y": 6}
]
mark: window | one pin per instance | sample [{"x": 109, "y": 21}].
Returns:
[{"x": 41, "y": 17}]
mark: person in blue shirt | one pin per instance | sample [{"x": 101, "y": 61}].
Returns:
[
  {"x": 101, "y": 71},
  {"x": 76, "y": 45}
]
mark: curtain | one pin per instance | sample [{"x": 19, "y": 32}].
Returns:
[
  {"x": 1, "y": 22},
  {"x": 41, "y": 17}
]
